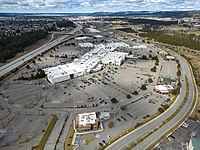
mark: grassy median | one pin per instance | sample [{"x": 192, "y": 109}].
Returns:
[{"x": 69, "y": 139}]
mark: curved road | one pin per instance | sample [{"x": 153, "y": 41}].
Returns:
[
  {"x": 19, "y": 61},
  {"x": 135, "y": 135}
]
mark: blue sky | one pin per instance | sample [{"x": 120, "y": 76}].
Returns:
[{"x": 72, "y": 6}]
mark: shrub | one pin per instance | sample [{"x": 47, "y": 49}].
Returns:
[
  {"x": 111, "y": 124},
  {"x": 160, "y": 110},
  {"x": 150, "y": 80},
  {"x": 28, "y": 67},
  {"x": 123, "y": 107},
  {"x": 165, "y": 107},
  {"x": 143, "y": 87},
  {"x": 128, "y": 96},
  {"x": 114, "y": 100},
  {"x": 135, "y": 93},
  {"x": 153, "y": 69}
]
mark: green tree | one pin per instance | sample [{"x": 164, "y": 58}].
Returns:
[
  {"x": 143, "y": 87},
  {"x": 135, "y": 93},
  {"x": 150, "y": 80},
  {"x": 28, "y": 67},
  {"x": 128, "y": 96},
  {"x": 160, "y": 110},
  {"x": 178, "y": 73},
  {"x": 153, "y": 69},
  {"x": 123, "y": 107},
  {"x": 165, "y": 107},
  {"x": 114, "y": 100}
]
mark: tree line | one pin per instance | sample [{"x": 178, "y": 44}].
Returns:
[
  {"x": 65, "y": 23},
  {"x": 178, "y": 40},
  {"x": 10, "y": 46},
  {"x": 151, "y": 22}
]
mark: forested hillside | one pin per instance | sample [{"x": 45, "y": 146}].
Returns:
[{"x": 10, "y": 46}]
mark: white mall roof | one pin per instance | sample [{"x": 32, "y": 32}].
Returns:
[
  {"x": 63, "y": 70},
  {"x": 98, "y": 36},
  {"x": 85, "y": 45},
  {"x": 139, "y": 46},
  {"x": 87, "y": 118},
  {"x": 164, "y": 87},
  {"x": 113, "y": 56},
  {"x": 82, "y": 38},
  {"x": 93, "y": 30},
  {"x": 161, "y": 88},
  {"x": 87, "y": 62}
]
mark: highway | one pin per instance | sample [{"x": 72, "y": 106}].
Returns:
[
  {"x": 156, "y": 135},
  {"x": 19, "y": 61},
  {"x": 155, "y": 123}
]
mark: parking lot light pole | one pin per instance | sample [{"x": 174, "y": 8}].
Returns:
[
  {"x": 13, "y": 127},
  {"x": 114, "y": 118}
]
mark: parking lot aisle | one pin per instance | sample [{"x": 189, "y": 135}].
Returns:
[{"x": 16, "y": 128}]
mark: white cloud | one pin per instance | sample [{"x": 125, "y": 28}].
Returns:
[{"x": 95, "y": 5}]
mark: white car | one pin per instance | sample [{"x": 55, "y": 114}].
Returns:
[{"x": 97, "y": 136}]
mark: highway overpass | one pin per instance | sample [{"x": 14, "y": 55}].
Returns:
[{"x": 19, "y": 61}]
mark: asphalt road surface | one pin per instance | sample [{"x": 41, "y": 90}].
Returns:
[
  {"x": 145, "y": 129},
  {"x": 19, "y": 61}
]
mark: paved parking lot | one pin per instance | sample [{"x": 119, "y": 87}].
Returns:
[
  {"x": 23, "y": 93},
  {"x": 134, "y": 113},
  {"x": 167, "y": 69},
  {"x": 181, "y": 136},
  {"x": 24, "y": 128},
  {"x": 93, "y": 90}
]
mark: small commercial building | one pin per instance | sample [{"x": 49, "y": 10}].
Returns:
[
  {"x": 194, "y": 144},
  {"x": 163, "y": 89},
  {"x": 167, "y": 80},
  {"x": 87, "y": 122},
  {"x": 85, "y": 45},
  {"x": 104, "y": 116},
  {"x": 92, "y": 30}
]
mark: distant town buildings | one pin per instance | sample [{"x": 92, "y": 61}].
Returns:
[{"x": 16, "y": 26}]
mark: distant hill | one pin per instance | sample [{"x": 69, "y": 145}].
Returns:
[{"x": 161, "y": 14}]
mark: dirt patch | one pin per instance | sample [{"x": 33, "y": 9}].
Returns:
[
  {"x": 57, "y": 35},
  {"x": 185, "y": 30}
]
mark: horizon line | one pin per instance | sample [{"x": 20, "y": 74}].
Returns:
[{"x": 96, "y": 12}]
